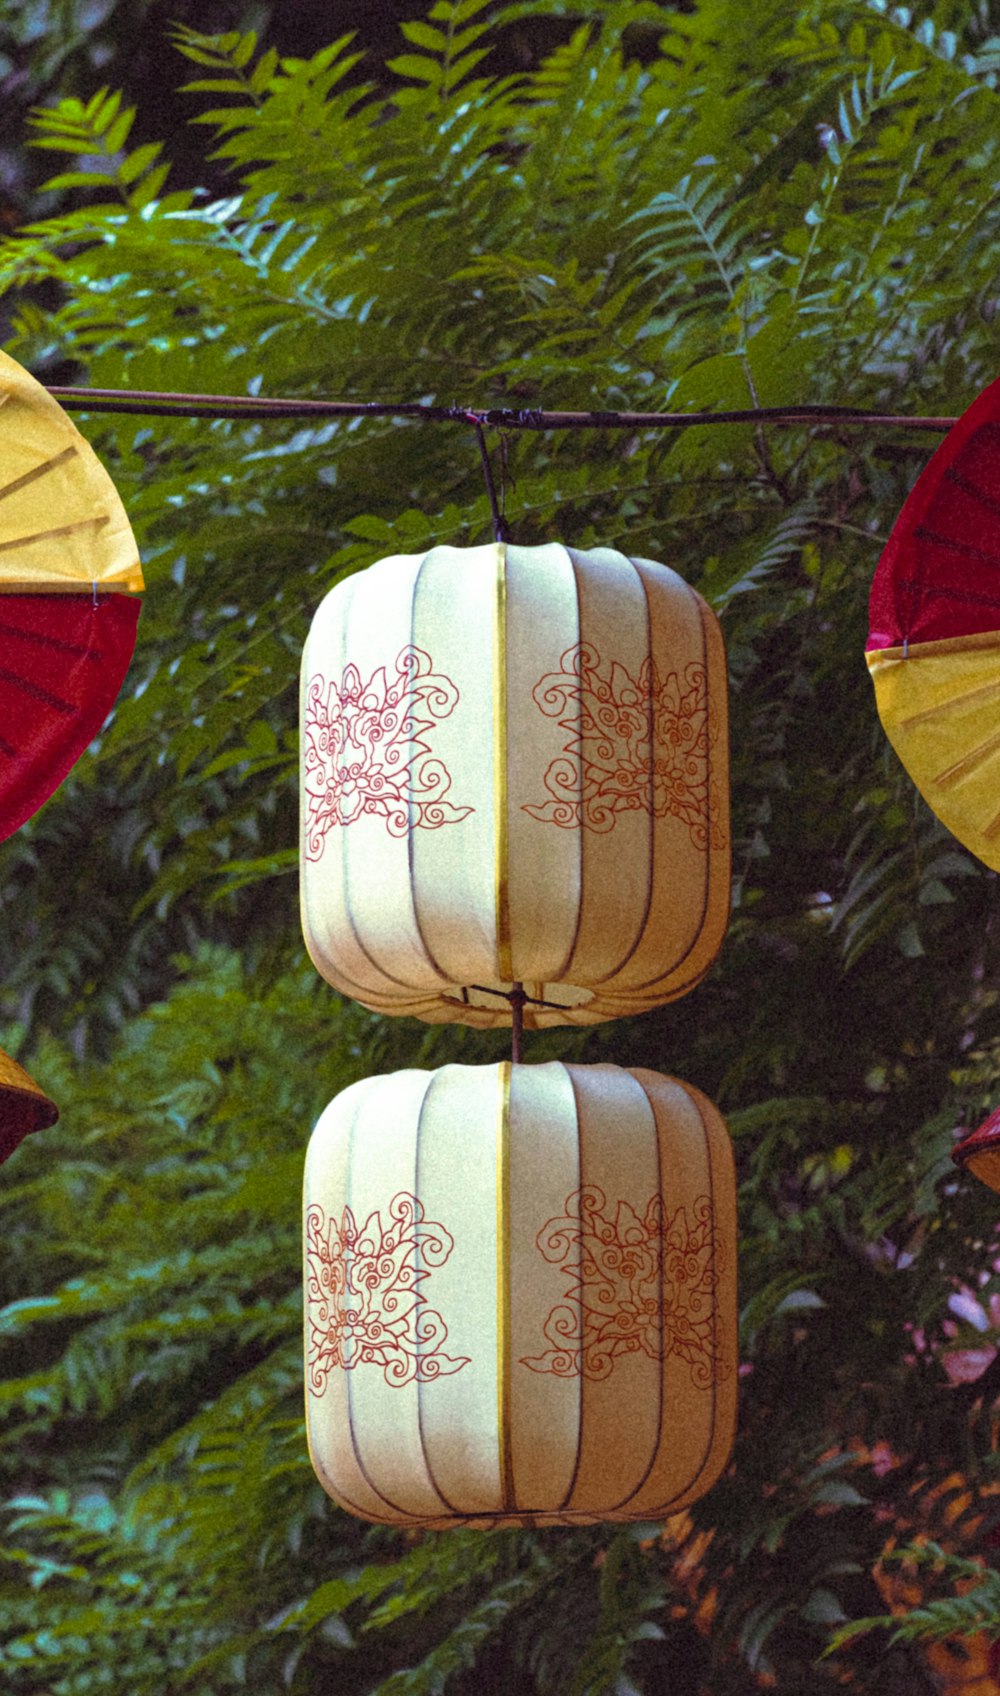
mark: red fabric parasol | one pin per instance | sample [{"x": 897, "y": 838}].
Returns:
[{"x": 63, "y": 659}]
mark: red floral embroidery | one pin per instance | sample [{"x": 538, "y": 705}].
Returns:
[
  {"x": 364, "y": 753},
  {"x": 635, "y": 744},
  {"x": 363, "y": 1298},
  {"x": 636, "y": 1283}
]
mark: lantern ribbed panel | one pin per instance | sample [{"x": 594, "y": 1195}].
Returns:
[
  {"x": 514, "y": 768},
  {"x": 521, "y": 1297}
]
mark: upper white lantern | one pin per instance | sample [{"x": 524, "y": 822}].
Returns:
[{"x": 514, "y": 769}]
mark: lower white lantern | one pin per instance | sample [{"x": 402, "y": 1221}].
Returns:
[{"x": 520, "y": 1295}]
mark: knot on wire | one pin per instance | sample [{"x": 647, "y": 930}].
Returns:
[{"x": 511, "y": 418}]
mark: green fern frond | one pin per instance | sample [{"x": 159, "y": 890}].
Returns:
[
  {"x": 689, "y": 235},
  {"x": 98, "y": 131}
]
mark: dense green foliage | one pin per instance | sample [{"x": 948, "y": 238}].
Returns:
[
  {"x": 53, "y": 48},
  {"x": 778, "y": 202}
]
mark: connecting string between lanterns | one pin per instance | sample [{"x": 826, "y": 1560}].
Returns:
[{"x": 517, "y": 998}]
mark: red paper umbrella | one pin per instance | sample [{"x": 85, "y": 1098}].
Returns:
[
  {"x": 69, "y": 573},
  {"x": 934, "y": 644},
  {"x": 23, "y": 1106},
  {"x": 980, "y": 1151},
  {"x": 62, "y": 662}
]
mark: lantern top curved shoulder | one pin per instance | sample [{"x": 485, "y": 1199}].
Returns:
[
  {"x": 520, "y": 1296},
  {"x": 514, "y": 769}
]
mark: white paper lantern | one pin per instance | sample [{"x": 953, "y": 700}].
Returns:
[
  {"x": 520, "y": 1295},
  {"x": 514, "y": 769}
]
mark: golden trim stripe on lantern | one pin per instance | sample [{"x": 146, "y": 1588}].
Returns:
[
  {"x": 444, "y": 1495},
  {"x": 501, "y": 799},
  {"x": 583, "y": 1285},
  {"x": 503, "y": 1288}
]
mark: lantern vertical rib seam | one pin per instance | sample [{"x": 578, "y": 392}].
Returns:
[
  {"x": 341, "y": 981},
  {"x": 394, "y": 1507},
  {"x": 319, "y": 1466},
  {"x": 564, "y": 1506},
  {"x": 690, "y": 1491},
  {"x": 451, "y": 1507},
  {"x": 340, "y": 1495},
  {"x": 658, "y": 1440},
  {"x": 345, "y": 881},
  {"x": 410, "y": 834},
  {"x": 651, "y": 983},
  {"x": 567, "y": 964},
  {"x": 501, "y": 753},
  {"x": 619, "y": 967}
]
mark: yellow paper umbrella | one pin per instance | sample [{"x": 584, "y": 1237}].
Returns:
[
  {"x": 69, "y": 578},
  {"x": 934, "y": 643},
  {"x": 520, "y": 1295},
  {"x": 23, "y": 1106},
  {"x": 514, "y": 770}
]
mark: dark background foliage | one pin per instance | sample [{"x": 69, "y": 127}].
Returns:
[{"x": 619, "y": 204}]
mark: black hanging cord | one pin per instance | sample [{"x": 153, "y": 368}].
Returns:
[
  {"x": 501, "y": 531},
  {"x": 505, "y": 478},
  {"x": 517, "y": 998}
]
